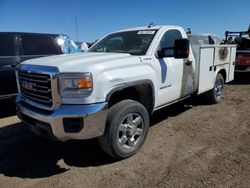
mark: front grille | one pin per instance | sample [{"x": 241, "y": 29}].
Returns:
[{"x": 36, "y": 87}]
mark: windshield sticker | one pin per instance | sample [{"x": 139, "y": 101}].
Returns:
[{"x": 146, "y": 32}]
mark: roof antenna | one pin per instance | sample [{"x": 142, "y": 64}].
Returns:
[{"x": 151, "y": 25}]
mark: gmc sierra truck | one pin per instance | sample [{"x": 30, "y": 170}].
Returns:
[{"x": 110, "y": 91}]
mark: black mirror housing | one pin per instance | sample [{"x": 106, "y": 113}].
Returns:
[
  {"x": 181, "y": 48},
  {"x": 179, "y": 51}
]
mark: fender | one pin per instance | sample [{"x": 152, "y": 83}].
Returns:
[{"x": 122, "y": 86}]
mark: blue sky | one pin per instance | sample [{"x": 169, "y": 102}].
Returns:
[{"x": 96, "y": 18}]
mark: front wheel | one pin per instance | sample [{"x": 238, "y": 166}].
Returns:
[
  {"x": 126, "y": 129},
  {"x": 215, "y": 95}
]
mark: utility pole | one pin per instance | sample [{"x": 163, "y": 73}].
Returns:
[{"x": 76, "y": 29}]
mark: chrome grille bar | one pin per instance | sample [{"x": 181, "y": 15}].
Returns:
[
  {"x": 33, "y": 80},
  {"x": 35, "y": 99},
  {"x": 33, "y": 75}
]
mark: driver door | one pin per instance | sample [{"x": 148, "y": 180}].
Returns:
[{"x": 171, "y": 72}]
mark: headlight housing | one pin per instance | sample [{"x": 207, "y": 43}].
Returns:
[{"x": 75, "y": 84}]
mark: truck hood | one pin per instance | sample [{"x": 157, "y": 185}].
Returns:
[{"x": 67, "y": 62}]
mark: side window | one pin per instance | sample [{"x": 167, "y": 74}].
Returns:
[
  {"x": 168, "y": 40},
  {"x": 39, "y": 45},
  {"x": 7, "y": 47}
]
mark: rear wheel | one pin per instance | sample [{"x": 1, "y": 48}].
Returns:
[
  {"x": 215, "y": 95},
  {"x": 126, "y": 129}
]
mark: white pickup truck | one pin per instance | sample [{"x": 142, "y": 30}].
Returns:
[{"x": 110, "y": 91}]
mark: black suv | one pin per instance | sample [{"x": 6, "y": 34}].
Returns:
[{"x": 18, "y": 47}]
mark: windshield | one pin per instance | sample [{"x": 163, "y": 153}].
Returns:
[{"x": 132, "y": 42}]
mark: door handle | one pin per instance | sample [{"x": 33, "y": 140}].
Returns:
[{"x": 188, "y": 62}]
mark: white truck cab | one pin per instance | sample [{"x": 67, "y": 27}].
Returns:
[{"x": 110, "y": 91}]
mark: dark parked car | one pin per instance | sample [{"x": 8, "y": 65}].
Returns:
[{"x": 18, "y": 47}]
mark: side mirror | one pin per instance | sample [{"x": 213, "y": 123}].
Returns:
[
  {"x": 181, "y": 48},
  {"x": 179, "y": 51}
]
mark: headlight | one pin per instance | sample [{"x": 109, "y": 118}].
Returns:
[{"x": 75, "y": 84}]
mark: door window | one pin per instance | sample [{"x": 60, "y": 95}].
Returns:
[{"x": 168, "y": 40}]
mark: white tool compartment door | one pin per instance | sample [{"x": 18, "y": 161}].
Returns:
[
  {"x": 206, "y": 73},
  {"x": 222, "y": 55},
  {"x": 232, "y": 63}
]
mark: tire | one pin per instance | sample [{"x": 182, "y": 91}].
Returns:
[
  {"x": 215, "y": 95},
  {"x": 126, "y": 129}
]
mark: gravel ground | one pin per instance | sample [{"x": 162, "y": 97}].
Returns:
[{"x": 190, "y": 144}]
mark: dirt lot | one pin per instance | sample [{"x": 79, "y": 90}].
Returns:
[{"x": 189, "y": 145}]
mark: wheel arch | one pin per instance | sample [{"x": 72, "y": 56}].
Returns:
[
  {"x": 141, "y": 91},
  {"x": 223, "y": 73}
]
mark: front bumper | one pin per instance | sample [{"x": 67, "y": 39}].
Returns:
[{"x": 92, "y": 117}]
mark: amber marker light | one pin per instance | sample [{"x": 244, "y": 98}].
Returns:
[{"x": 85, "y": 83}]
